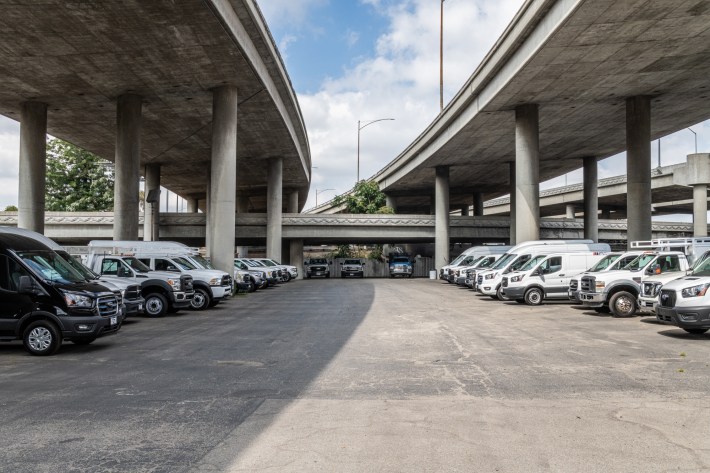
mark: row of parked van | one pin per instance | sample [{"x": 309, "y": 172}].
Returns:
[
  {"x": 48, "y": 295},
  {"x": 668, "y": 278}
]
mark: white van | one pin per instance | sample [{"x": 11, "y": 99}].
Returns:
[
  {"x": 469, "y": 257},
  {"x": 489, "y": 282},
  {"x": 547, "y": 277}
]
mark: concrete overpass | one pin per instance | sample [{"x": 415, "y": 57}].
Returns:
[
  {"x": 192, "y": 95},
  {"x": 568, "y": 83}
]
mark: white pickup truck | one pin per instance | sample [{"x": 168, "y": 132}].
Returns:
[
  {"x": 617, "y": 291},
  {"x": 611, "y": 262}
]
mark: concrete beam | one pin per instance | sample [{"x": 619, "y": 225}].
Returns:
[
  {"x": 33, "y": 166},
  {"x": 128, "y": 155}
]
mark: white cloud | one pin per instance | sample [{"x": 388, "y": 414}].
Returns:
[{"x": 291, "y": 12}]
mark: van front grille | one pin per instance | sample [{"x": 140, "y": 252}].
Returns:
[{"x": 108, "y": 306}]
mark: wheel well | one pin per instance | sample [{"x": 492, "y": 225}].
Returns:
[
  {"x": 34, "y": 318},
  {"x": 202, "y": 285},
  {"x": 634, "y": 292},
  {"x": 535, "y": 286},
  {"x": 146, "y": 291}
]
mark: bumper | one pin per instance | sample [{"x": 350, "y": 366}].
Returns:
[
  {"x": 399, "y": 272},
  {"x": 684, "y": 317},
  {"x": 592, "y": 299},
  {"x": 461, "y": 280},
  {"x": 220, "y": 292},
  {"x": 574, "y": 296},
  {"x": 488, "y": 288},
  {"x": 181, "y": 300},
  {"x": 646, "y": 305},
  {"x": 134, "y": 306},
  {"x": 514, "y": 292},
  {"x": 75, "y": 328},
  {"x": 316, "y": 273},
  {"x": 358, "y": 274}
]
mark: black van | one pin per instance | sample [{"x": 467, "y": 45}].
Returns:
[{"x": 43, "y": 300}]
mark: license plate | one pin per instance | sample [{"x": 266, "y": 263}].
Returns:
[{"x": 114, "y": 320}]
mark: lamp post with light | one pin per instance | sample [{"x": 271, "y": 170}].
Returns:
[
  {"x": 320, "y": 192},
  {"x": 360, "y": 127}
]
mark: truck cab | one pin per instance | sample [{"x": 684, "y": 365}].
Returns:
[{"x": 400, "y": 265}]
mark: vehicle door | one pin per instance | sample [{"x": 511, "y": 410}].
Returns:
[
  {"x": 115, "y": 267},
  {"x": 550, "y": 271},
  {"x": 164, "y": 264},
  {"x": 13, "y": 305}
]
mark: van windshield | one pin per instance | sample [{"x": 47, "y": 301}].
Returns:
[
  {"x": 136, "y": 265},
  {"x": 503, "y": 261},
  {"x": 457, "y": 260},
  {"x": 202, "y": 261},
  {"x": 604, "y": 263},
  {"x": 88, "y": 274},
  {"x": 184, "y": 264},
  {"x": 639, "y": 263},
  {"x": 703, "y": 268},
  {"x": 532, "y": 262},
  {"x": 49, "y": 266}
]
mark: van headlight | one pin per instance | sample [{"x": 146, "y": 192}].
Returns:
[
  {"x": 78, "y": 301},
  {"x": 517, "y": 278},
  {"x": 491, "y": 275},
  {"x": 174, "y": 284},
  {"x": 695, "y": 291}
]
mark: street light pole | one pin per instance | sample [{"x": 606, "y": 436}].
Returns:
[
  {"x": 320, "y": 192},
  {"x": 358, "y": 140},
  {"x": 696, "y": 139},
  {"x": 441, "y": 58}
]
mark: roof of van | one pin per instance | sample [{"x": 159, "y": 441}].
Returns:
[
  {"x": 34, "y": 235},
  {"x": 16, "y": 242}
]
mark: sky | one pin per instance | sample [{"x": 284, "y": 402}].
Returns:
[{"x": 364, "y": 60}]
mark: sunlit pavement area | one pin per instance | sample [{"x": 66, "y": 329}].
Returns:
[{"x": 364, "y": 375}]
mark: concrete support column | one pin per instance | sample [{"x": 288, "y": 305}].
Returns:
[
  {"x": 391, "y": 202},
  {"x": 296, "y": 254},
  {"x": 128, "y": 155},
  {"x": 591, "y": 199},
  {"x": 441, "y": 229},
  {"x": 638, "y": 168},
  {"x": 527, "y": 173},
  {"x": 208, "y": 215},
  {"x": 224, "y": 177},
  {"x": 193, "y": 205},
  {"x": 151, "y": 216},
  {"x": 274, "y": 208},
  {"x": 569, "y": 211},
  {"x": 292, "y": 206},
  {"x": 33, "y": 166},
  {"x": 477, "y": 204},
  {"x": 700, "y": 210},
  {"x": 464, "y": 210},
  {"x": 511, "y": 184}
]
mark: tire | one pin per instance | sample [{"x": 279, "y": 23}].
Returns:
[
  {"x": 156, "y": 305},
  {"x": 42, "y": 338},
  {"x": 201, "y": 300},
  {"x": 601, "y": 310},
  {"x": 308, "y": 276},
  {"x": 696, "y": 331},
  {"x": 213, "y": 303},
  {"x": 327, "y": 276},
  {"x": 499, "y": 293},
  {"x": 520, "y": 301},
  {"x": 287, "y": 278},
  {"x": 252, "y": 287},
  {"x": 622, "y": 304},
  {"x": 409, "y": 276},
  {"x": 534, "y": 296},
  {"x": 342, "y": 275},
  {"x": 83, "y": 341}
]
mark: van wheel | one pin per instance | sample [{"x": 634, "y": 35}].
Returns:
[
  {"x": 287, "y": 278},
  {"x": 622, "y": 304},
  {"x": 342, "y": 274},
  {"x": 251, "y": 287},
  {"x": 156, "y": 305},
  {"x": 499, "y": 293},
  {"x": 696, "y": 331},
  {"x": 42, "y": 338},
  {"x": 201, "y": 300},
  {"x": 533, "y": 296}
]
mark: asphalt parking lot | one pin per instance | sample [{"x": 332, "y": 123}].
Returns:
[{"x": 364, "y": 375}]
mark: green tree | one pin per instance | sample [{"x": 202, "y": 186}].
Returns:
[
  {"x": 366, "y": 198},
  {"x": 11, "y": 208},
  {"x": 77, "y": 180}
]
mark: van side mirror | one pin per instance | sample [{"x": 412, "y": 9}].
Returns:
[{"x": 26, "y": 286}]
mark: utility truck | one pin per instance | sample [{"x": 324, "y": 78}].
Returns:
[{"x": 610, "y": 262}]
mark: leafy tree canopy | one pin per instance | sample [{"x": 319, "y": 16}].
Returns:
[
  {"x": 366, "y": 198},
  {"x": 77, "y": 180},
  {"x": 11, "y": 208}
]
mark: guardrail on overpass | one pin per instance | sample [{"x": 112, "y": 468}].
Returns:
[{"x": 79, "y": 228}]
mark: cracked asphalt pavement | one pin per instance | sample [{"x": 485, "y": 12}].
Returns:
[{"x": 364, "y": 375}]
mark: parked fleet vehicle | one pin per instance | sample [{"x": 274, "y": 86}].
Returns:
[
  {"x": 258, "y": 277},
  {"x": 467, "y": 258},
  {"x": 270, "y": 273},
  {"x": 489, "y": 282},
  {"x": 286, "y": 272},
  {"x": 317, "y": 267},
  {"x": 546, "y": 277},
  {"x": 352, "y": 267},
  {"x": 210, "y": 285},
  {"x": 685, "y": 302},
  {"x": 45, "y": 301},
  {"x": 610, "y": 262},
  {"x": 400, "y": 265},
  {"x": 465, "y": 273}
]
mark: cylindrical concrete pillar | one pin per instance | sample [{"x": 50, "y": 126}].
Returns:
[
  {"x": 208, "y": 214},
  {"x": 700, "y": 210},
  {"x": 128, "y": 156},
  {"x": 638, "y": 168},
  {"x": 511, "y": 184},
  {"x": 464, "y": 210},
  {"x": 296, "y": 256},
  {"x": 441, "y": 227},
  {"x": 477, "y": 204},
  {"x": 569, "y": 211},
  {"x": 274, "y": 208},
  {"x": 391, "y": 202},
  {"x": 591, "y": 199},
  {"x": 193, "y": 205},
  {"x": 222, "y": 209},
  {"x": 527, "y": 173},
  {"x": 292, "y": 207},
  {"x": 33, "y": 166},
  {"x": 151, "y": 216}
]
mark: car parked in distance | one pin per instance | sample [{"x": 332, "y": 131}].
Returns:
[
  {"x": 352, "y": 267},
  {"x": 317, "y": 267}
]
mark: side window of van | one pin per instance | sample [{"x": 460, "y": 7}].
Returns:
[
  {"x": 110, "y": 267},
  {"x": 10, "y": 272},
  {"x": 164, "y": 265},
  {"x": 551, "y": 265}
]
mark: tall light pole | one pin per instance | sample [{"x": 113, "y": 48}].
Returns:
[
  {"x": 696, "y": 139},
  {"x": 441, "y": 58},
  {"x": 358, "y": 141},
  {"x": 320, "y": 192}
]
